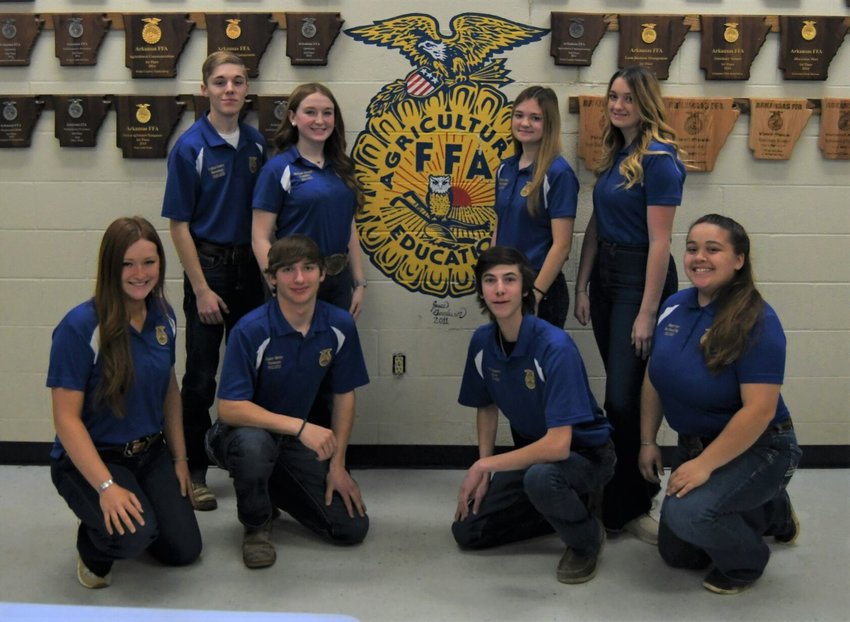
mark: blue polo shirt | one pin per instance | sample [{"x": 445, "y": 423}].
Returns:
[
  {"x": 695, "y": 401},
  {"x": 558, "y": 199},
  {"x": 541, "y": 385},
  {"x": 308, "y": 200},
  {"x": 210, "y": 184},
  {"x": 75, "y": 364},
  {"x": 273, "y": 365},
  {"x": 620, "y": 213}
]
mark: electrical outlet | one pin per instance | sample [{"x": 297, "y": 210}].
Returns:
[{"x": 399, "y": 364}]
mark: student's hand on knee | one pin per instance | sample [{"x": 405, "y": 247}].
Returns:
[
  {"x": 472, "y": 492},
  {"x": 120, "y": 508},
  {"x": 692, "y": 474},
  {"x": 319, "y": 439},
  {"x": 339, "y": 480}
]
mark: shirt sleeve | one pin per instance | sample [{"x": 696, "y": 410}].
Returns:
[
  {"x": 71, "y": 358},
  {"x": 764, "y": 360},
  {"x": 473, "y": 390},
  {"x": 182, "y": 186},
  {"x": 663, "y": 179},
  {"x": 562, "y": 193},
  {"x": 269, "y": 194},
  {"x": 239, "y": 370},
  {"x": 565, "y": 393},
  {"x": 349, "y": 369}
]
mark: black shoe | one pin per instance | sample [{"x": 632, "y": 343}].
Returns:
[
  {"x": 717, "y": 582},
  {"x": 792, "y": 531},
  {"x": 575, "y": 568}
]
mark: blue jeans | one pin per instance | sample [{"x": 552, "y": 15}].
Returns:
[
  {"x": 545, "y": 497},
  {"x": 170, "y": 532},
  {"x": 240, "y": 286},
  {"x": 272, "y": 470},
  {"x": 555, "y": 305},
  {"x": 616, "y": 290},
  {"x": 724, "y": 521}
]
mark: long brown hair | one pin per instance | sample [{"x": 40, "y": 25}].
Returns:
[
  {"x": 738, "y": 303},
  {"x": 334, "y": 148},
  {"x": 113, "y": 317},
  {"x": 550, "y": 144},
  {"x": 646, "y": 94}
]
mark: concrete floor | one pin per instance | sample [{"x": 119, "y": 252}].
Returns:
[{"x": 410, "y": 569}]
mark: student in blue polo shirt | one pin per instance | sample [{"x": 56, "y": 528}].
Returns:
[
  {"x": 115, "y": 399},
  {"x": 717, "y": 366},
  {"x": 626, "y": 263},
  {"x": 310, "y": 188},
  {"x": 276, "y": 359},
  {"x": 532, "y": 372},
  {"x": 211, "y": 173},
  {"x": 536, "y": 197}
]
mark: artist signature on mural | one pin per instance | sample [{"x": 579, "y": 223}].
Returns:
[{"x": 442, "y": 312}]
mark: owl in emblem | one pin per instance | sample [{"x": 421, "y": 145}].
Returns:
[{"x": 439, "y": 196}]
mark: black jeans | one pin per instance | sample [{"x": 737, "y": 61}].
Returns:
[
  {"x": 616, "y": 290},
  {"x": 555, "y": 305},
  {"x": 240, "y": 285},
  {"x": 170, "y": 532}
]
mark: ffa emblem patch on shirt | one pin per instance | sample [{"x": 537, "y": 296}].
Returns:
[
  {"x": 253, "y": 164},
  {"x": 525, "y": 190},
  {"x": 325, "y": 357},
  {"x": 529, "y": 380},
  {"x": 161, "y": 335},
  {"x": 704, "y": 337}
]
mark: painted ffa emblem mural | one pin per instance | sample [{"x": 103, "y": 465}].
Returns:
[{"x": 433, "y": 141}]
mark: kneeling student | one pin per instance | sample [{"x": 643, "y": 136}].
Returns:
[
  {"x": 533, "y": 373},
  {"x": 275, "y": 361}
]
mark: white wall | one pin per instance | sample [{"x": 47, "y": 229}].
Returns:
[{"x": 55, "y": 203}]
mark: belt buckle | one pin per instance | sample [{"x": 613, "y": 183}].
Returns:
[{"x": 133, "y": 448}]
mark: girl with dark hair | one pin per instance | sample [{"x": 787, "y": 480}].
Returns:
[
  {"x": 717, "y": 366},
  {"x": 116, "y": 408},
  {"x": 536, "y": 198},
  {"x": 626, "y": 270},
  {"x": 310, "y": 188}
]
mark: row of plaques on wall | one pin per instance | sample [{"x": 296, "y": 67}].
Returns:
[
  {"x": 702, "y": 124},
  {"x": 154, "y": 42}
]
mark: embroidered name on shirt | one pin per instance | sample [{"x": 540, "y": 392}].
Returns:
[
  {"x": 495, "y": 374},
  {"x": 217, "y": 171},
  {"x": 304, "y": 176},
  {"x": 274, "y": 362},
  {"x": 671, "y": 329}
]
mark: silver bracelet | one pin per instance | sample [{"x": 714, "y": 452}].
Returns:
[{"x": 105, "y": 485}]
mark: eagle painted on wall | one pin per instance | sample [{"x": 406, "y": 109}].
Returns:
[{"x": 462, "y": 56}]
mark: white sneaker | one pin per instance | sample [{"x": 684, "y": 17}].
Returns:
[
  {"x": 644, "y": 528},
  {"x": 89, "y": 579}
]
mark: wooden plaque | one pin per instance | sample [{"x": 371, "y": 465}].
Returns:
[
  {"x": 591, "y": 123},
  {"x": 575, "y": 37},
  {"x": 309, "y": 37},
  {"x": 78, "y": 37},
  {"x": 18, "y": 32},
  {"x": 271, "y": 112},
  {"x": 77, "y": 118},
  {"x": 808, "y": 44},
  {"x": 154, "y": 42},
  {"x": 651, "y": 41},
  {"x": 245, "y": 34},
  {"x": 834, "y": 139},
  {"x": 145, "y": 123},
  {"x": 702, "y": 125},
  {"x": 730, "y": 43},
  {"x": 775, "y": 126},
  {"x": 18, "y": 115}
]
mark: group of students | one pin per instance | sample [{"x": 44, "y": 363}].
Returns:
[{"x": 132, "y": 450}]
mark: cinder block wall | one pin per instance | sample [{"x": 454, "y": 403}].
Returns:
[{"x": 55, "y": 203}]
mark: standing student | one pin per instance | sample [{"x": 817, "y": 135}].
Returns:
[
  {"x": 309, "y": 188},
  {"x": 532, "y": 372},
  {"x": 278, "y": 456},
  {"x": 211, "y": 173},
  {"x": 717, "y": 366},
  {"x": 626, "y": 270},
  {"x": 536, "y": 197},
  {"x": 119, "y": 459}
]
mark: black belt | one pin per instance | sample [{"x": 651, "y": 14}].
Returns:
[
  {"x": 136, "y": 447},
  {"x": 336, "y": 263},
  {"x": 613, "y": 246},
  {"x": 229, "y": 255}
]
